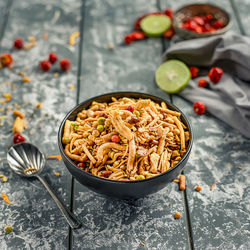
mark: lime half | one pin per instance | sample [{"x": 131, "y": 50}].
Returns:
[
  {"x": 172, "y": 76},
  {"x": 155, "y": 25}
]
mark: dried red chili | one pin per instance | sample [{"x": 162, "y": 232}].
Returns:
[
  {"x": 203, "y": 83},
  {"x": 6, "y": 59},
  {"x": 199, "y": 108},
  {"x": 215, "y": 74},
  {"x": 194, "y": 71}
]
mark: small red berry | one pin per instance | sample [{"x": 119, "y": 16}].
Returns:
[
  {"x": 199, "y": 20},
  {"x": 130, "y": 108},
  {"x": 106, "y": 173},
  {"x": 115, "y": 138},
  {"x": 203, "y": 83},
  {"x": 81, "y": 165},
  {"x": 169, "y": 33},
  {"x": 199, "y": 108},
  {"x": 128, "y": 39},
  {"x": 18, "y": 43},
  {"x": 53, "y": 57},
  {"x": 169, "y": 12},
  {"x": 6, "y": 59},
  {"x": 17, "y": 138},
  {"x": 194, "y": 71},
  {"x": 65, "y": 64},
  {"x": 215, "y": 74},
  {"x": 45, "y": 65}
]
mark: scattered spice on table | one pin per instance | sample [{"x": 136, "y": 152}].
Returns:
[
  {"x": 143, "y": 244},
  {"x": 19, "y": 125},
  {"x": 32, "y": 39},
  {"x": 212, "y": 187},
  {"x": 29, "y": 45},
  {"x": 23, "y": 74},
  {"x": 176, "y": 180},
  {"x": 239, "y": 167},
  {"x": 177, "y": 215},
  {"x": 56, "y": 75},
  {"x": 72, "y": 86},
  {"x": 111, "y": 47},
  {"x": 182, "y": 184},
  {"x": 6, "y": 199}
]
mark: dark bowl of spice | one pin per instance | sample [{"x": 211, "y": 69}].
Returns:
[
  {"x": 123, "y": 189},
  {"x": 201, "y": 20}
]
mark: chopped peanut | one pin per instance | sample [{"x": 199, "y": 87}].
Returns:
[
  {"x": 26, "y": 79},
  {"x": 198, "y": 188},
  {"x": 18, "y": 113},
  {"x": 29, "y": 45},
  {"x": 32, "y": 39},
  {"x": 182, "y": 182},
  {"x": 177, "y": 215},
  {"x": 19, "y": 125},
  {"x": 176, "y": 180},
  {"x": 39, "y": 105}
]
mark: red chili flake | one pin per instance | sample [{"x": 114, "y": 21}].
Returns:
[
  {"x": 203, "y": 83},
  {"x": 129, "y": 39},
  {"x": 18, "y": 43},
  {"x": 6, "y": 59},
  {"x": 215, "y": 74},
  {"x": 169, "y": 12},
  {"x": 219, "y": 24},
  {"x": 105, "y": 115},
  {"x": 45, "y": 65},
  {"x": 81, "y": 165},
  {"x": 130, "y": 108},
  {"x": 169, "y": 33},
  {"x": 106, "y": 173},
  {"x": 194, "y": 71},
  {"x": 209, "y": 18},
  {"x": 17, "y": 138},
  {"x": 138, "y": 35},
  {"x": 53, "y": 57},
  {"x": 199, "y": 108},
  {"x": 65, "y": 64},
  {"x": 199, "y": 20},
  {"x": 115, "y": 138}
]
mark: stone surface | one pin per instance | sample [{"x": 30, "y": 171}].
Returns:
[{"x": 35, "y": 218}]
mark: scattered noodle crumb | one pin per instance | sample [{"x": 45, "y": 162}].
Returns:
[
  {"x": 198, "y": 188},
  {"x": 23, "y": 74},
  {"x": 58, "y": 157},
  {"x": 6, "y": 199},
  {"x": 72, "y": 86},
  {"x": 56, "y": 174},
  {"x": 32, "y": 39},
  {"x": 143, "y": 244},
  {"x": 212, "y": 187},
  {"x": 111, "y": 47},
  {"x": 56, "y": 75},
  {"x": 176, "y": 180},
  {"x": 18, "y": 113},
  {"x": 39, "y": 105},
  {"x": 72, "y": 38},
  {"x": 182, "y": 182}
]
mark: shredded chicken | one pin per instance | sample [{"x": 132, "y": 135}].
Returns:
[{"x": 154, "y": 159}]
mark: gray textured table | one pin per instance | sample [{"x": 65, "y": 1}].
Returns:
[{"x": 217, "y": 219}]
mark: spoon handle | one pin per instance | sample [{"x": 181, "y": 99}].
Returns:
[{"x": 69, "y": 216}]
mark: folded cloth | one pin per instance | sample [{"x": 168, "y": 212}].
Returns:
[{"x": 229, "y": 99}]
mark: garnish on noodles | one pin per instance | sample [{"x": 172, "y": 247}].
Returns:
[{"x": 126, "y": 139}]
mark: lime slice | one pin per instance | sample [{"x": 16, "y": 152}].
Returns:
[
  {"x": 155, "y": 25},
  {"x": 172, "y": 76}
]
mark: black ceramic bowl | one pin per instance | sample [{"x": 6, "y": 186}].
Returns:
[{"x": 122, "y": 189}]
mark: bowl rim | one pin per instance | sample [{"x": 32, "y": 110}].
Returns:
[
  {"x": 91, "y": 99},
  {"x": 200, "y": 35}
]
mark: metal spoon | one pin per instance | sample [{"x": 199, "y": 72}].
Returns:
[{"x": 25, "y": 159}]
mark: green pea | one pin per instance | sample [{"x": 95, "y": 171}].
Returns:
[
  {"x": 101, "y": 120},
  {"x": 137, "y": 113},
  {"x": 139, "y": 177},
  {"x": 8, "y": 229},
  {"x": 100, "y": 128}
]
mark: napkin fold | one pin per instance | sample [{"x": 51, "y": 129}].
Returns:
[{"x": 229, "y": 99}]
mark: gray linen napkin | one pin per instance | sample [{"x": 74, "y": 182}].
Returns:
[{"x": 228, "y": 100}]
